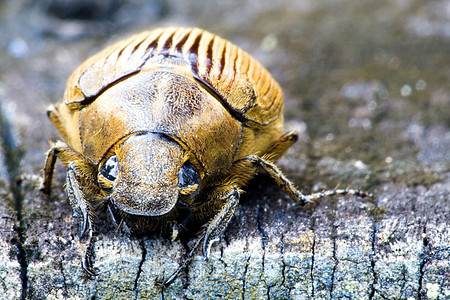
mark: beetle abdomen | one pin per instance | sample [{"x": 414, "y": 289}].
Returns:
[{"x": 243, "y": 86}]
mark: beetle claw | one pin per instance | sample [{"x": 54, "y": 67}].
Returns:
[
  {"x": 121, "y": 225},
  {"x": 87, "y": 265},
  {"x": 113, "y": 216},
  {"x": 207, "y": 244},
  {"x": 88, "y": 261}
]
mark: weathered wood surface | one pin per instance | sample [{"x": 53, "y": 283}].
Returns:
[{"x": 356, "y": 131}]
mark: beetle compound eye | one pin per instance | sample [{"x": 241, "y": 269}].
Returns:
[
  {"x": 110, "y": 168},
  {"x": 188, "y": 179}
]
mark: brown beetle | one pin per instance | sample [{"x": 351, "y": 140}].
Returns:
[{"x": 165, "y": 128}]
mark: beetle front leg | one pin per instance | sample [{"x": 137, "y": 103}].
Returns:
[
  {"x": 80, "y": 210},
  {"x": 214, "y": 230},
  {"x": 77, "y": 166},
  {"x": 77, "y": 200}
]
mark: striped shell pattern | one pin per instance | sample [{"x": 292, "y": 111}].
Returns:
[{"x": 245, "y": 88}]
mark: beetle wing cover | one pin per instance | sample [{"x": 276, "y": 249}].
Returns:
[{"x": 242, "y": 84}]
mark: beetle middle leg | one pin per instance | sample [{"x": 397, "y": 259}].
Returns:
[{"x": 288, "y": 187}]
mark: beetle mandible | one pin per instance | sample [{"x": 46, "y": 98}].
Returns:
[{"x": 166, "y": 128}]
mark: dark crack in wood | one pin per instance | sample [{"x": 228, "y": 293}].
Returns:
[
  {"x": 335, "y": 259},
  {"x": 423, "y": 257},
  {"x": 13, "y": 156},
  {"x": 244, "y": 275},
  {"x": 141, "y": 263},
  {"x": 373, "y": 243},
  {"x": 313, "y": 252}
]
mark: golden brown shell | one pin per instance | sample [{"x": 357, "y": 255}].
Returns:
[
  {"x": 242, "y": 94},
  {"x": 244, "y": 86}
]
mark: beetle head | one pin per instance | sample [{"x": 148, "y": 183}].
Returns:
[{"x": 147, "y": 175}]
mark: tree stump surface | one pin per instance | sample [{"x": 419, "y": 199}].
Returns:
[{"x": 380, "y": 124}]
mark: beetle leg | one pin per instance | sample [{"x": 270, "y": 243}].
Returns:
[
  {"x": 49, "y": 167},
  {"x": 55, "y": 116},
  {"x": 87, "y": 261},
  {"x": 77, "y": 200},
  {"x": 288, "y": 187},
  {"x": 213, "y": 231},
  {"x": 220, "y": 221},
  {"x": 61, "y": 151},
  {"x": 80, "y": 211}
]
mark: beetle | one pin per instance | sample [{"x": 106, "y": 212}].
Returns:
[{"x": 166, "y": 128}]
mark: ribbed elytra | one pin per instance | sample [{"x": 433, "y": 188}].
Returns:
[
  {"x": 219, "y": 64},
  {"x": 165, "y": 128}
]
